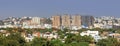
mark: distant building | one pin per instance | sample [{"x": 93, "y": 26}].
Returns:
[
  {"x": 47, "y": 26},
  {"x": 35, "y": 21},
  {"x": 1, "y": 22},
  {"x": 116, "y": 26},
  {"x": 66, "y": 22},
  {"x": 49, "y": 35},
  {"x": 115, "y": 35},
  {"x": 106, "y": 22},
  {"x": 56, "y": 23},
  {"x": 43, "y": 21},
  {"x": 88, "y": 33},
  {"x": 94, "y": 34},
  {"x": 26, "y": 22},
  {"x": 76, "y": 22},
  {"x": 87, "y": 21}
]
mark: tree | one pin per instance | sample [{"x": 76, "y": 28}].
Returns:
[
  {"x": 71, "y": 38},
  {"x": 14, "y": 39},
  {"x": 39, "y": 42},
  {"x": 108, "y": 42},
  {"x": 56, "y": 42},
  {"x": 80, "y": 44},
  {"x": 17, "y": 37},
  {"x": 11, "y": 43},
  {"x": 86, "y": 39}
]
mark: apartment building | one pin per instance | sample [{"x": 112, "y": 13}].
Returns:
[
  {"x": 56, "y": 21},
  {"x": 66, "y": 21}
]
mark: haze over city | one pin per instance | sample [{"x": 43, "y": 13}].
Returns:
[
  {"x": 48, "y": 8},
  {"x": 59, "y": 23}
]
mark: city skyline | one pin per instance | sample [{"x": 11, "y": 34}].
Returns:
[
  {"x": 47, "y": 8},
  {"x": 59, "y": 23}
]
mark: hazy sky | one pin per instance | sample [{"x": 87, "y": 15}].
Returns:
[{"x": 45, "y": 8}]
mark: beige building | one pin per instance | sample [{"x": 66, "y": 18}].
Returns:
[
  {"x": 56, "y": 21},
  {"x": 116, "y": 35},
  {"x": 35, "y": 21},
  {"x": 76, "y": 20},
  {"x": 66, "y": 21}
]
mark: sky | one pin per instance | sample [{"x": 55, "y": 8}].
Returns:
[{"x": 48, "y": 8}]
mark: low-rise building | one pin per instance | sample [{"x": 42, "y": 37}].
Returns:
[
  {"x": 49, "y": 35},
  {"x": 94, "y": 34},
  {"x": 115, "y": 35}
]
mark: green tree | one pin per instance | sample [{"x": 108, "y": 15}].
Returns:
[
  {"x": 71, "y": 38},
  {"x": 56, "y": 42},
  {"x": 108, "y": 42},
  {"x": 14, "y": 39},
  {"x": 39, "y": 42}
]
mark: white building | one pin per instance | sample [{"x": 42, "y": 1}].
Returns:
[
  {"x": 48, "y": 26},
  {"x": 94, "y": 34},
  {"x": 29, "y": 38},
  {"x": 49, "y": 35},
  {"x": 75, "y": 28}
]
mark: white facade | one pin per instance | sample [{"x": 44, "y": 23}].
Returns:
[
  {"x": 89, "y": 33},
  {"x": 47, "y": 25},
  {"x": 76, "y": 28},
  {"x": 94, "y": 34},
  {"x": 49, "y": 35}
]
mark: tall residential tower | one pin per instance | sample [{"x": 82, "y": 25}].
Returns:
[
  {"x": 87, "y": 21},
  {"x": 56, "y": 22},
  {"x": 76, "y": 21},
  {"x": 66, "y": 23}
]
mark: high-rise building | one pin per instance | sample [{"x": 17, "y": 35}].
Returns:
[
  {"x": 66, "y": 21},
  {"x": 35, "y": 21},
  {"x": 87, "y": 21},
  {"x": 76, "y": 20},
  {"x": 56, "y": 21}
]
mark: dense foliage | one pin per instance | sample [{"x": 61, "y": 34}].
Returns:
[
  {"x": 15, "y": 39},
  {"x": 108, "y": 42}
]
